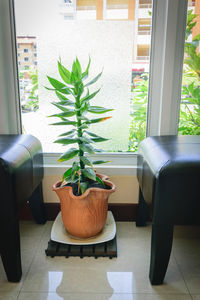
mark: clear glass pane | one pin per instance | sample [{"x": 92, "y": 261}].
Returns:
[
  {"x": 116, "y": 34},
  {"x": 189, "y": 120}
]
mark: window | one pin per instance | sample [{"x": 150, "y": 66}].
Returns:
[
  {"x": 109, "y": 29},
  {"x": 26, "y": 58},
  {"x": 169, "y": 18},
  {"x": 25, "y": 50},
  {"x": 189, "y": 120}
]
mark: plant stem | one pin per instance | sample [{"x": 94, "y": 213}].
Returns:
[{"x": 80, "y": 133}]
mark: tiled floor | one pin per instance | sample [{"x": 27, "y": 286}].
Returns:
[{"x": 121, "y": 278}]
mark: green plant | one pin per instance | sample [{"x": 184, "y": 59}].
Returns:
[
  {"x": 31, "y": 89},
  {"x": 192, "y": 61},
  {"x": 33, "y": 98},
  {"x": 138, "y": 113},
  {"x": 189, "y": 122},
  {"x": 74, "y": 102}
]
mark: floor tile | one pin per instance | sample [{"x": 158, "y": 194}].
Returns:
[
  {"x": 30, "y": 237},
  {"x": 128, "y": 273},
  {"x": 187, "y": 255},
  {"x": 124, "y": 274},
  {"x": 30, "y": 228},
  {"x": 95, "y": 296},
  {"x": 121, "y": 278},
  {"x": 6, "y": 286},
  {"x": 196, "y": 297},
  {"x": 9, "y": 295},
  {"x": 193, "y": 284}
]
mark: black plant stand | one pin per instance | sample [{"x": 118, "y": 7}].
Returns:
[{"x": 106, "y": 249}]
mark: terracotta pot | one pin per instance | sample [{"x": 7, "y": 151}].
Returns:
[{"x": 84, "y": 216}]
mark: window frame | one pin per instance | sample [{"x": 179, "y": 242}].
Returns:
[{"x": 166, "y": 64}]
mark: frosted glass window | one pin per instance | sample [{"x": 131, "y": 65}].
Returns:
[{"x": 67, "y": 29}]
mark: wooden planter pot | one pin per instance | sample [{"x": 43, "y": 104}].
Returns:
[{"x": 84, "y": 216}]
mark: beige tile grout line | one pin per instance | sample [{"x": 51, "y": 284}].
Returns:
[
  {"x": 182, "y": 276},
  {"x": 28, "y": 270}
]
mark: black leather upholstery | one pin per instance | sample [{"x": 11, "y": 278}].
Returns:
[
  {"x": 21, "y": 174},
  {"x": 168, "y": 175}
]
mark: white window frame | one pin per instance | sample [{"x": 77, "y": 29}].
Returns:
[{"x": 166, "y": 64}]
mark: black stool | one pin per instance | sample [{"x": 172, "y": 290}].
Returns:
[
  {"x": 21, "y": 174},
  {"x": 169, "y": 180}
]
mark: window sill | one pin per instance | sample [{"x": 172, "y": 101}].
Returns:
[{"x": 122, "y": 164}]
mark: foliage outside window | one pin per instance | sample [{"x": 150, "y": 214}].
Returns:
[{"x": 189, "y": 121}]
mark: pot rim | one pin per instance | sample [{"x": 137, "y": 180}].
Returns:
[{"x": 57, "y": 187}]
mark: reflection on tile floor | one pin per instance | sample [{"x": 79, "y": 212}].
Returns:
[{"x": 121, "y": 278}]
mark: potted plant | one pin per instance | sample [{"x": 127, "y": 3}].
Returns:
[{"x": 82, "y": 192}]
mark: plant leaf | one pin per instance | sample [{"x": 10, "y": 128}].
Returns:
[
  {"x": 60, "y": 106},
  {"x": 66, "y": 122},
  {"x": 68, "y": 113},
  {"x": 99, "y": 139},
  {"x": 66, "y": 141},
  {"x": 98, "y": 109},
  {"x": 83, "y": 186},
  {"x": 91, "y": 133},
  {"x": 86, "y": 160},
  {"x": 85, "y": 140},
  {"x": 83, "y": 126},
  {"x": 76, "y": 71},
  {"x": 87, "y": 148},
  {"x": 97, "y": 120},
  {"x": 67, "y": 173},
  {"x": 94, "y": 79},
  {"x": 89, "y": 173},
  {"x": 85, "y": 74},
  {"x": 98, "y": 162},
  {"x": 96, "y": 138},
  {"x": 75, "y": 169},
  {"x": 68, "y": 132},
  {"x": 64, "y": 73},
  {"x": 100, "y": 181},
  {"x": 82, "y": 118},
  {"x": 72, "y": 152},
  {"x": 78, "y": 66},
  {"x": 59, "y": 85},
  {"x": 62, "y": 97},
  {"x": 90, "y": 96}
]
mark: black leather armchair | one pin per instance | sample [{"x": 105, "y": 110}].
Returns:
[
  {"x": 21, "y": 174},
  {"x": 169, "y": 179}
]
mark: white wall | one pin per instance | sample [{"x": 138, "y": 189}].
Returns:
[{"x": 126, "y": 189}]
